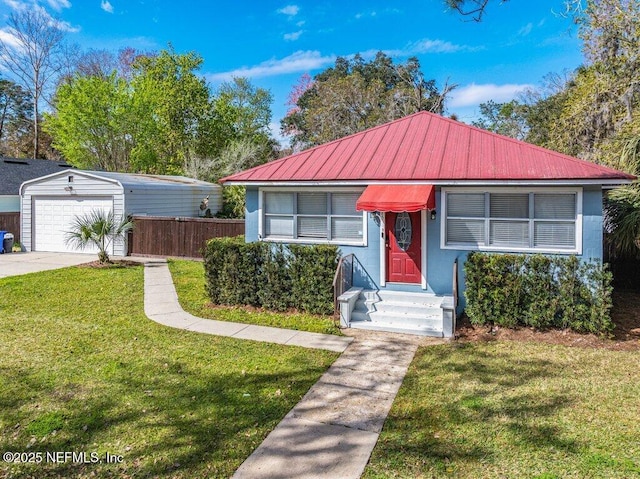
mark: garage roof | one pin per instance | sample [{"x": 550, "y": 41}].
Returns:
[
  {"x": 15, "y": 171},
  {"x": 133, "y": 180},
  {"x": 425, "y": 147},
  {"x": 150, "y": 181}
]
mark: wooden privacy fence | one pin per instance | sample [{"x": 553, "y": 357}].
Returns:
[
  {"x": 178, "y": 236},
  {"x": 10, "y": 222}
]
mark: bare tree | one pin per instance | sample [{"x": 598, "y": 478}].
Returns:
[
  {"x": 470, "y": 8},
  {"x": 31, "y": 50}
]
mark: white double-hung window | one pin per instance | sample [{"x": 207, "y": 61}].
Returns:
[
  {"x": 513, "y": 220},
  {"x": 312, "y": 216}
]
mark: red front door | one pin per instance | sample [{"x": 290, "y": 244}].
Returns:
[{"x": 403, "y": 247}]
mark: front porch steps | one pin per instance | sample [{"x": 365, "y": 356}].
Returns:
[{"x": 395, "y": 311}]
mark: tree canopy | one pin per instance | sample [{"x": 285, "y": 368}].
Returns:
[
  {"x": 152, "y": 113},
  {"x": 354, "y": 95}
]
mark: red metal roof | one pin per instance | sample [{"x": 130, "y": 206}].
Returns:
[
  {"x": 397, "y": 198},
  {"x": 426, "y": 147}
]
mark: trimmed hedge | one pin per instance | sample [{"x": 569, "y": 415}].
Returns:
[
  {"x": 270, "y": 275},
  {"x": 538, "y": 291}
]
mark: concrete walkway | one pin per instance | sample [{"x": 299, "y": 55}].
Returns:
[
  {"x": 162, "y": 306},
  {"x": 331, "y": 432}
]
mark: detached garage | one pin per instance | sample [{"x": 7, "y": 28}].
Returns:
[{"x": 50, "y": 203}]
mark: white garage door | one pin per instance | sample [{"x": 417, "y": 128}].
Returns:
[{"x": 53, "y": 217}]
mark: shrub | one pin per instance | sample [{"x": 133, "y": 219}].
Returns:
[
  {"x": 270, "y": 275},
  {"x": 538, "y": 291},
  {"x": 312, "y": 269},
  {"x": 274, "y": 292},
  {"x": 233, "y": 202}
]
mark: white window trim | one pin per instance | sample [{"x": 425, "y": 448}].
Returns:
[
  {"x": 512, "y": 249},
  {"x": 261, "y": 236}
]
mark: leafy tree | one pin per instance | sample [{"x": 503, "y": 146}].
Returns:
[
  {"x": 239, "y": 112},
  {"x": 94, "y": 122},
  {"x": 354, "y": 95},
  {"x": 32, "y": 51},
  {"x": 172, "y": 102},
  {"x": 603, "y": 97},
  {"x": 146, "y": 115},
  {"x": 509, "y": 119},
  {"x": 98, "y": 229},
  {"x": 244, "y": 108},
  {"x": 542, "y": 108}
]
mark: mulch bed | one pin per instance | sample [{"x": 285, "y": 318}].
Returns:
[
  {"x": 114, "y": 263},
  {"x": 625, "y": 337}
]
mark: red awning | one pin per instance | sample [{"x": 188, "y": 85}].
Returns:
[{"x": 397, "y": 198}]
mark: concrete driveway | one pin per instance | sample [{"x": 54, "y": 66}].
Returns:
[{"x": 13, "y": 264}]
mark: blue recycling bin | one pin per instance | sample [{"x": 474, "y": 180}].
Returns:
[{"x": 2, "y": 233}]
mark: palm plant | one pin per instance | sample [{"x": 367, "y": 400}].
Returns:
[
  {"x": 622, "y": 219},
  {"x": 99, "y": 229}
]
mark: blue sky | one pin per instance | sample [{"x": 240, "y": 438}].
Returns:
[{"x": 275, "y": 42}]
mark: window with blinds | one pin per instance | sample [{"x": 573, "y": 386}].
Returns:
[
  {"x": 514, "y": 221},
  {"x": 312, "y": 216}
]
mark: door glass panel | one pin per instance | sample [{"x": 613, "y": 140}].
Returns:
[{"x": 403, "y": 230}]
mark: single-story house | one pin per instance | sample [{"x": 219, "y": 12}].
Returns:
[
  {"x": 410, "y": 198},
  {"x": 49, "y": 204}
]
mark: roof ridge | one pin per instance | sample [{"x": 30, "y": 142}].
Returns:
[{"x": 310, "y": 151}]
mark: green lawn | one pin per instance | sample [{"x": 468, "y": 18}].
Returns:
[
  {"x": 514, "y": 410},
  {"x": 83, "y": 370},
  {"x": 188, "y": 277}
]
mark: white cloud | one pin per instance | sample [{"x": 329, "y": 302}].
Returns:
[
  {"x": 473, "y": 94},
  {"x": 15, "y": 5},
  {"x": 59, "y": 4},
  {"x": 526, "y": 30},
  {"x": 377, "y": 13},
  {"x": 424, "y": 46},
  {"x": 64, "y": 26},
  {"x": 106, "y": 6},
  {"x": 289, "y": 10},
  {"x": 293, "y": 36},
  {"x": 59, "y": 24},
  {"x": 434, "y": 46},
  {"x": 9, "y": 39},
  {"x": 300, "y": 61},
  {"x": 371, "y": 13}
]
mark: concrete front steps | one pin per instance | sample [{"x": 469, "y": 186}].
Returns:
[{"x": 396, "y": 311}]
